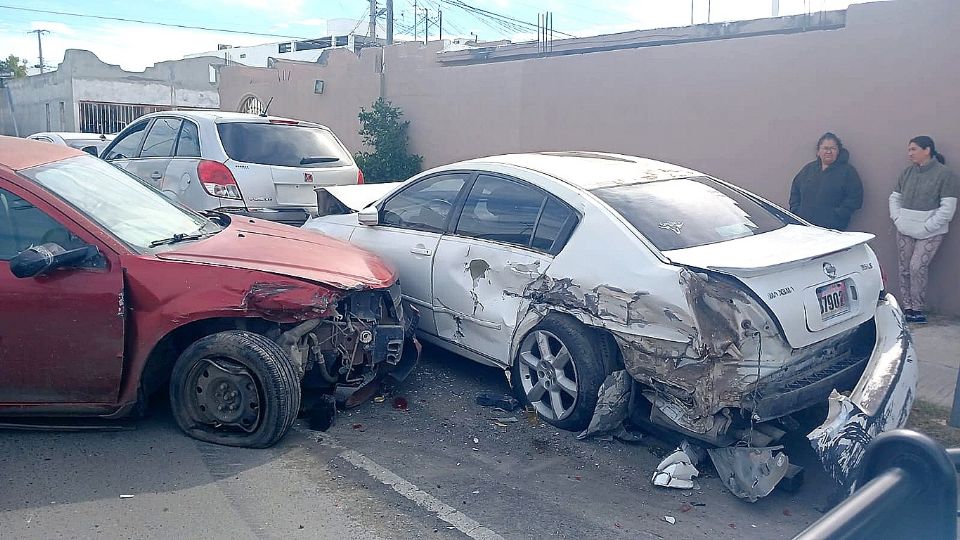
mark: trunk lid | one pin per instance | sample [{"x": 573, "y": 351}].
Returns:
[
  {"x": 295, "y": 186},
  {"x": 815, "y": 282}
]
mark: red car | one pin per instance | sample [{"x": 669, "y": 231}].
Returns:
[{"x": 110, "y": 292}]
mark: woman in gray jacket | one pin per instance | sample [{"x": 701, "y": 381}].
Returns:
[{"x": 921, "y": 207}]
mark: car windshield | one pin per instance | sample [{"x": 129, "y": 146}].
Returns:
[
  {"x": 282, "y": 144},
  {"x": 134, "y": 213},
  {"x": 689, "y": 212}
]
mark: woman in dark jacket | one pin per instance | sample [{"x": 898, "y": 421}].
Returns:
[{"x": 827, "y": 191}]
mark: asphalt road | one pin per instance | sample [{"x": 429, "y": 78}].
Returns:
[{"x": 442, "y": 468}]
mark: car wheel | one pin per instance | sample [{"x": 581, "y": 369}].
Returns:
[
  {"x": 559, "y": 372},
  {"x": 235, "y": 388}
]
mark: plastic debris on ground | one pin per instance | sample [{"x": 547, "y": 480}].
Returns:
[
  {"x": 670, "y": 519},
  {"x": 613, "y": 407},
  {"x": 750, "y": 473},
  {"x": 500, "y": 401},
  {"x": 676, "y": 471}
]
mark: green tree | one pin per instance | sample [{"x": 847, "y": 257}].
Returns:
[
  {"x": 15, "y": 65},
  {"x": 383, "y": 131}
]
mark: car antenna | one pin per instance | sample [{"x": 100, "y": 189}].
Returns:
[{"x": 263, "y": 113}]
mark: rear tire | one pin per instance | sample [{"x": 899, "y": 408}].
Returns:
[
  {"x": 558, "y": 370},
  {"x": 235, "y": 388}
]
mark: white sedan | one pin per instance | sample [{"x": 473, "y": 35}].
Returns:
[{"x": 728, "y": 312}]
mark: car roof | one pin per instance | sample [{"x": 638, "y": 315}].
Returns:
[
  {"x": 226, "y": 116},
  {"x": 593, "y": 170},
  {"x": 17, "y": 153}
]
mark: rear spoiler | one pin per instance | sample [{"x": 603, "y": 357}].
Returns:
[{"x": 334, "y": 200}]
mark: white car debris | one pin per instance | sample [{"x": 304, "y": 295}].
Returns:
[{"x": 728, "y": 313}]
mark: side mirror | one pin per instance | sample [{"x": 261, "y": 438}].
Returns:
[
  {"x": 41, "y": 259},
  {"x": 369, "y": 216},
  {"x": 92, "y": 150}
]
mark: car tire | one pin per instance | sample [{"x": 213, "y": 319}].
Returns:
[
  {"x": 547, "y": 386},
  {"x": 235, "y": 388}
]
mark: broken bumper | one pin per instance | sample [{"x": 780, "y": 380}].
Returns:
[{"x": 881, "y": 400}]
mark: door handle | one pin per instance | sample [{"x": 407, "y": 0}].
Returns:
[
  {"x": 420, "y": 250},
  {"x": 156, "y": 175}
]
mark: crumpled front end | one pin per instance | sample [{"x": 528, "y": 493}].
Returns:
[
  {"x": 342, "y": 342},
  {"x": 881, "y": 400}
]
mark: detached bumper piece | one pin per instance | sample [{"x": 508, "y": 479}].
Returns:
[{"x": 880, "y": 402}]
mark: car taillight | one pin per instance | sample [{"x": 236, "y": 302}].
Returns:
[
  {"x": 217, "y": 180},
  {"x": 359, "y": 177}
]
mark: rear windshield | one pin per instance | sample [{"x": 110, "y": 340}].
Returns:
[
  {"x": 677, "y": 214},
  {"x": 282, "y": 145}
]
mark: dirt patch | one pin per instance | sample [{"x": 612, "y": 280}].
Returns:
[{"x": 931, "y": 420}]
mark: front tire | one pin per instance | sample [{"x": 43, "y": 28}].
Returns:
[
  {"x": 235, "y": 388},
  {"x": 558, "y": 370}
]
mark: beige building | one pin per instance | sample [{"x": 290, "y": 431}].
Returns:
[{"x": 742, "y": 101}]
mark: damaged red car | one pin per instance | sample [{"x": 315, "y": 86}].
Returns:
[{"x": 112, "y": 293}]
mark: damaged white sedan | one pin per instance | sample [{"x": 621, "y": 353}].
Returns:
[{"x": 729, "y": 313}]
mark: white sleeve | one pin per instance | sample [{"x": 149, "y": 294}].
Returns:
[
  {"x": 895, "y": 205},
  {"x": 943, "y": 214}
]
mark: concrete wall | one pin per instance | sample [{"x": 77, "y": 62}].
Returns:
[
  {"x": 748, "y": 110},
  {"x": 84, "y": 77}
]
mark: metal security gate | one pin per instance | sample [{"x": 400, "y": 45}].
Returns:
[{"x": 97, "y": 117}]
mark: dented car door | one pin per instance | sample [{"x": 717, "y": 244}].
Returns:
[
  {"x": 61, "y": 333},
  {"x": 504, "y": 239}
]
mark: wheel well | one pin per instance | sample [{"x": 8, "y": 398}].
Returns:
[
  {"x": 156, "y": 372},
  {"x": 603, "y": 338}
]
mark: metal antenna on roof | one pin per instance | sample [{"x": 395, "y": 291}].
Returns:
[{"x": 263, "y": 113}]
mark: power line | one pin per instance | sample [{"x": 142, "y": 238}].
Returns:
[{"x": 138, "y": 21}]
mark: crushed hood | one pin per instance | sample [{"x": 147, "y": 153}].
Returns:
[
  {"x": 254, "y": 244},
  {"x": 356, "y": 197}
]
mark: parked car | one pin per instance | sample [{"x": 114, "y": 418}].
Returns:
[
  {"x": 260, "y": 166},
  {"x": 111, "y": 292},
  {"x": 90, "y": 143},
  {"x": 729, "y": 313}
]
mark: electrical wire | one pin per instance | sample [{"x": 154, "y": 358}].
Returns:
[{"x": 138, "y": 21}]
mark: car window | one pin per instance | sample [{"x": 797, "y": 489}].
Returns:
[
  {"x": 424, "y": 205},
  {"x": 127, "y": 145},
  {"x": 282, "y": 144},
  {"x": 161, "y": 138},
  {"x": 133, "y": 212},
  {"x": 501, "y": 210},
  {"x": 554, "y": 227},
  {"x": 188, "y": 144},
  {"x": 23, "y": 225},
  {"x": 689, "y": 212}
]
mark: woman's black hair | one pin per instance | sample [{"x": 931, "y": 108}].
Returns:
[
  {"x": 926, "y": 142},
  {"x": 830, "y": 136}
]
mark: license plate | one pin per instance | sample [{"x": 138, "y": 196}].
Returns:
[{"x": 833, "y": 300}]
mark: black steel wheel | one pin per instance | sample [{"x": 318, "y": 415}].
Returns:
[{"x": 235, "y": 388}]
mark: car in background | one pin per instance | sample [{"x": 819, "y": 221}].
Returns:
[
  {"x": 727, "y": 313},
  {"x": 260, "y": 166},
  {"x": 112, "y": 292},
  {"x": 90, "y": 143}
]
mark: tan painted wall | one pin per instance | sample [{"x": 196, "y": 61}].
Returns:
[{"x": 748, "y": 110}]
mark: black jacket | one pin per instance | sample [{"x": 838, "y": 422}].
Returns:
[{"x": 827, "y": 197}]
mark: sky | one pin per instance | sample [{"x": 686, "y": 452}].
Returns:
[{"x": 135, "y": 46}]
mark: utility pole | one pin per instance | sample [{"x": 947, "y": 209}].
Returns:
[
  {"x": 426, "y": 25},
  {"x": 39, "y": 33},
  {"x": 415, "y": 20},
  {"x": 775, "y": 8},
  {"x": 440, "y": 14},
  {"x": 372, "y": 32},
  {"x": 389, "y": 22}
]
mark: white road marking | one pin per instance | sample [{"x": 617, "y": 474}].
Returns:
[{"x": 445, "y": 512}]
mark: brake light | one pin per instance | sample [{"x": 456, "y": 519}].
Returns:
[
  {"x": 217, "y": 180},
  {"x": 359, "y": 177},
  {"x": 284, "y": 122}
]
